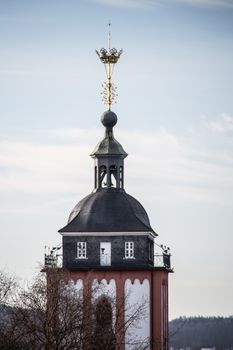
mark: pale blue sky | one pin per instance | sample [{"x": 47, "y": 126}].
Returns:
[{"x": 175, "y": 111}]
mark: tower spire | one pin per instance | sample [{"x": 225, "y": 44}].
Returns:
[
  {"x": 109, "y": 154},
  {"x": 109, "y": 58}
]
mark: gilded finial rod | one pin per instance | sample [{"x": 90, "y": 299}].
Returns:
[
  {"x": 109, "y": 87},
  {"x": 109, "y": 58},
  {"x": 109, "y": 67}
]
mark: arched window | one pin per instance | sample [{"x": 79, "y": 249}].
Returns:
[
  {"x": 113, "y": 175},
  {"x": 121, "y": 176},
  {"x": 95, "y": 176},
  {"x": 102, "y": 176},
  {"x": 103, "y": 335}
]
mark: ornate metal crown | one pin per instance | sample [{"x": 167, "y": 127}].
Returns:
[{"x": 109, "y": 57}]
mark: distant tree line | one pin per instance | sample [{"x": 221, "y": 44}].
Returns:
[{"x": 201, "y": 332}]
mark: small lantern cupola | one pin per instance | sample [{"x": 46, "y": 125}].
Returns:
[{"x": 109, "y": 157}]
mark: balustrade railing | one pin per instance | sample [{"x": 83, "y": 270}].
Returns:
[{"x": 162, "y": 260}]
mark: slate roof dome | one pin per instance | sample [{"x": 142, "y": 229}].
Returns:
[{"x": 108, "y": 210}]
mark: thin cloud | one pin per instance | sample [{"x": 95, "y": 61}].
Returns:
[
  {"x": 223, "y": 124},
  {"x": 208, "y": 3},
  {"x": 162, "y": 161},
  {"x": 126, "y": 3},
  {"x": 150, "y": 3}
]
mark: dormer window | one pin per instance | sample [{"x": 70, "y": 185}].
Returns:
[
  {"x": 129, "y": 250},
  {"x": 81, "y": 250}
]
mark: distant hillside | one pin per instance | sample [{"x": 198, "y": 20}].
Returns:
[
  {"x": 201, "y": 332},
  {"x": 187, "y": 333}
]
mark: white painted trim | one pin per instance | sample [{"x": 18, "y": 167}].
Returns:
[{"x": 150, "y": 234}]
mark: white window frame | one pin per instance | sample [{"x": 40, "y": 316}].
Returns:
[
  {"x": 81, "y": 250},
  {"x": 129, "y": 250}
]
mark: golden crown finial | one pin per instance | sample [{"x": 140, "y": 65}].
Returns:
[{"x": 109, "y": 58}]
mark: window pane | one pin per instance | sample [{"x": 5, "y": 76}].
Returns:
[
  {"x": 81, "y": 250},
  {"x": 129, "y": 249}
]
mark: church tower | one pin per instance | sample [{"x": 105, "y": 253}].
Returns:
[{"x": 108, "y": 240}]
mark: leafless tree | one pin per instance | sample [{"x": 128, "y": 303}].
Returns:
[
  {"x": 8, "y": 291},
  {"x": 53, "y": 314},
  {"x": 49, "y": 315},
  {"x": 8, "y": 285}
]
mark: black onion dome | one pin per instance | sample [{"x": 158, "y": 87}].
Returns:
[{"x": 108, "y": 210}]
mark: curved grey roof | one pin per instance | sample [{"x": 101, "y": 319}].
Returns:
[
  {"x": 108, "y": 210},
  {"x": 109, "y": 146}
]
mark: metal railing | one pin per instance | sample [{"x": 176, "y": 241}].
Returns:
[
  {"x": 52, "y": 258},
  {"x": 162, "y": 260}
]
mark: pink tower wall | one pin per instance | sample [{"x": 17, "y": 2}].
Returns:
[{"x": 158, "y": 281}]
